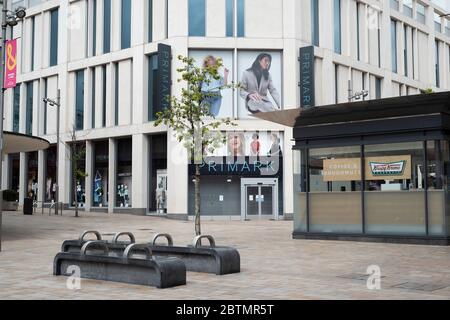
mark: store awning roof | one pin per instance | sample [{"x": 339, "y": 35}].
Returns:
[
  {"x": 365, "y": 110},
  {"x": 17, "y": 142}
]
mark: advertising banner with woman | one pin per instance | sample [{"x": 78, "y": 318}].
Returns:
[
  {"x": 217, "y": 98},
  {"x": 260, "y": 82}
]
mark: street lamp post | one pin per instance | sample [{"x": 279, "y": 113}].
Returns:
[
  {"x": 357, "y": 95},
  {"x": 9, "y": 18},
  {"x": 56, "y": 103}
]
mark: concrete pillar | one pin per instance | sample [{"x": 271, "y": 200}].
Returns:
[
  {"x": 112, "y": 170},
  {"x": 6, "y": 176},
  {"x": 64, "y": 174},
  {"x": 89, "y": 182},
  {"x": 23, "y": 188},
  {"x": 42, "y": 169},
  {"x": 177, "y": 178},
  {"x": 140, "y": 172}
]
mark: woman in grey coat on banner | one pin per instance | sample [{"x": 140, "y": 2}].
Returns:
[{"x": 256, "y": 83}]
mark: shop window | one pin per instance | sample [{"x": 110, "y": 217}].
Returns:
[
  {"x": 15, "y": 171},
  {"x": 158, "y": 173},
  {"x": 124, "y": 176},
  {"x": 395, "y": 184},
  {"x": 32, "y": 175},
  {"x": 100, "y": 179},
  {"x": 50, "y": 180},
  {"x": 335, "y": 189},
  {"x": 437, "y": 164},
  {"x": 78, "y": 187},
  {"x": 299, "y": 169}
]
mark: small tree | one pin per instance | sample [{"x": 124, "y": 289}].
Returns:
[
  {"x": 77, "y": 153},
  {"x": 191, "y": 119}
]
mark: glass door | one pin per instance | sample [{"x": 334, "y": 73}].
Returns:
[
  {"x": 252, "y": 207},
  {"x": 259, "y": 201},
  {"x": 265, "y": 200}
]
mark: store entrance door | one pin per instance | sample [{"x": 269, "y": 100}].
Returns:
[{"x": 259, "y": 199}]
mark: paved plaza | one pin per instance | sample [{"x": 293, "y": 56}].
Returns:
[{"x": 273, "y": 265}]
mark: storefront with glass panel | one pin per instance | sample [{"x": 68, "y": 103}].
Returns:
[{"x": 373, "y": 170}]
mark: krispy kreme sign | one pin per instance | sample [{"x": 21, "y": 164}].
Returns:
[{"x": 376, "y": 168}]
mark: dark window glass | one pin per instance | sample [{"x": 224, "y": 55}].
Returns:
[
  {"x": 33, "y": 35},
  {"x": 436, "y": 45},
  {"x": 93, "y": 99},
  {"x": 29, "y": 109},
  {"x": 45, "y": 107},
  {"x": 230, "y": 17},
  {"x": 197, "y": 18},
  {"x": 315, "y": 22},
  {"x": 150, "y": 20},
  {"x": 337, "y": 26},
  {"x": 94, "y": 28},
  {"x": 377, "y": 88},
  {"x": 241, "y": 18},
  {"x": 107, "y": 26},
  {"x": 126, "y": 24},
  {"x": 116, "y": 94},
  {"x": 152, "y": 85},
  {"x": 357, "y": 33},
  {"x": 16, "y": 111},
  {"x": 54, "y": 37},
  {"x": 405, "y": 50},
  {"x": 394, "y": 45},
  {"x": 104, "y": 96},
  {"x": 79, "y": 100}
]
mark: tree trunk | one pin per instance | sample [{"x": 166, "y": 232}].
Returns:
[{"x": 197, "y": 200}]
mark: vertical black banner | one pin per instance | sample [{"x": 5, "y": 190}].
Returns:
[
  {"x": 307, "y": 89},
  {"x": 164, "y": 77}
]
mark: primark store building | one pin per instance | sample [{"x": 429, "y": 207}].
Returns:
[{"x": 115, "y": 61}]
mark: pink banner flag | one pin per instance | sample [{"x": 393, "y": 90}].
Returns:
[{"x": 11, "y": 64}]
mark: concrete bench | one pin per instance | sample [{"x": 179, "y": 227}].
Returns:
[
  {"x": 135, "y": 264},
  {"x": 198, "y": 258}
]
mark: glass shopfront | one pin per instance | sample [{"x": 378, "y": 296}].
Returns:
[
  {"x": 15, "y": 171},
  {"x": 158, "y": 174},
  {"x": 50, "y": 179},
  {"x": 397, "y": 189},
  {"x": 124, "y": 176},
  {"x": 78, "y": 187},
  {"x": 32, "y": 175},
  {"x": 100, "y": 180},
  {"x": 242, "y": 178}
]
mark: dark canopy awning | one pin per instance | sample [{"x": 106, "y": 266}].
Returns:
[{"x": 365, "y": 110}]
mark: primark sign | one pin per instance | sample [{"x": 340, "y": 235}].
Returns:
[
  {"x": 307, "y": 88},
  {"x": 241, "y": 166}
]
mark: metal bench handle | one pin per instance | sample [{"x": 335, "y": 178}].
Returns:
[
  {"x": 88, "y": 244},
  {"x": 197, "y": 239},
  {"x": 119, "y": 234},
  {"x": 85, "y": 233},
  {"x": 137, "y": 246},
  {"x": 164, "y": 235}
]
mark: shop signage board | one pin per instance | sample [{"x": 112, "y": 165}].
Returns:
[
  {"x": 307, "y": 88},
  {"x": 388, "y": 168},
  {"x": 164, "y": 77},
  {"x": 347, "y": 169},
  {"x": 376, "y": 168}
]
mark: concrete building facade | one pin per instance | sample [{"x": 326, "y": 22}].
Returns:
[{"x": 106, "y": 58}]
